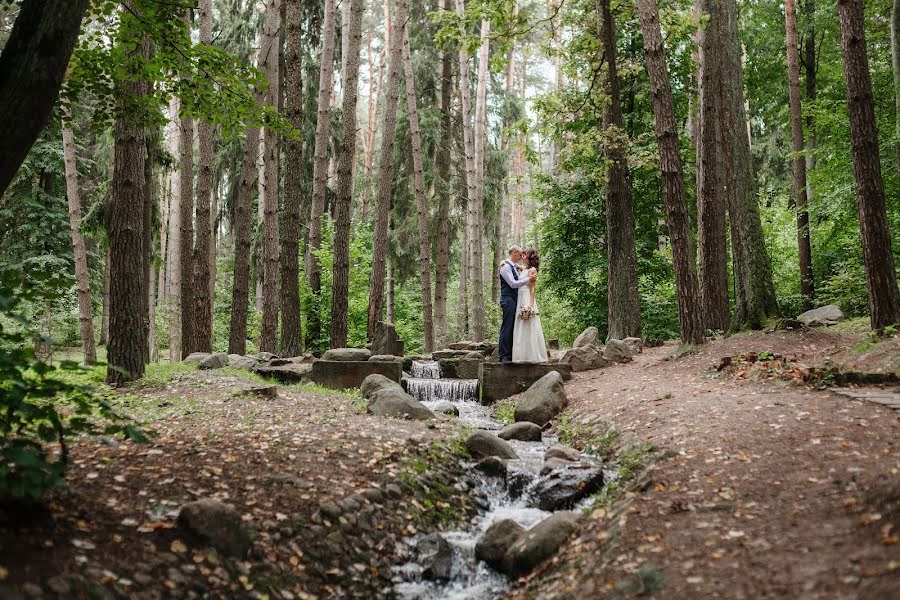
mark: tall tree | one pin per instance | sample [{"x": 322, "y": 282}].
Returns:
[
  {"x": 799, "y": 162},
  {"x": 624, "y": 300},
  {"x": 174, "y": 251},
  {"x": 128, "y": 294},
  {"x": 82, "y": 279},
  {"x": 895, "y": 63},
  {"x": 346, "y": 155},
  {"x": 884, "y": 297},
  {"x": 755, "y": 293},
  {"x": 476, "y": 268},
  {"x": 468, "y": 166},
  {"x": 242, "y": 225},
  {"x": 419, "y": 184},
  {"x": 269, "y": 201},
  {"x": 32, "y": 66},
  {"x": 186, "y": 234},
  {"x": 442, "y": 187},
  {"x": 689, "y": 314},
  {"x": 320, "y": 174},
  {"x": 202, "y": 311},
  {"x": 710, "y": 183},
  {"x": 386, "y": 172},
  {"x": 291, "y": 329}
]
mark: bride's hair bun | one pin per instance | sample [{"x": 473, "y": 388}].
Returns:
[{"x": 534, "y": 259}]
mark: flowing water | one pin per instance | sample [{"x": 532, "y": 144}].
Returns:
[{"x": 470, "y": 578}]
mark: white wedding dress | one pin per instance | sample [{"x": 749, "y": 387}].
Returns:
[{"x": 528, "y": 336}]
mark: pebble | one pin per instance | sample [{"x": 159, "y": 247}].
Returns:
[
  {"x": 58, "y": 585},
  {"x": 373, "y": 495},
  {"x": 33, "y": 590},
  {"x": 142, "y": 579},
  {"x": 393, "y": 490},
  {"x": 331, "y": 511}
]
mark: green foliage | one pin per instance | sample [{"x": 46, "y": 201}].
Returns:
[{"x": 38, "y": 407}]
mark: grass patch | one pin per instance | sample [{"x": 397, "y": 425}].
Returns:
[
  {"x": 586, "y": 438},
  {"x": 505, "y": 411}
]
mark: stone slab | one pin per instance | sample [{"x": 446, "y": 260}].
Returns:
[
  {"x": 344, "y": 375},
  {"x": 290, "y": 373},
  {"x": 499, "y": 381},
  {"x": 460, "y": 368}
]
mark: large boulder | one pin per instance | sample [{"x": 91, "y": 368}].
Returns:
[
  {"x": 482, "y": 444},
  {"x": 397, "y": 404},
  {"x": 617, "y": 351},
  {"x": 346, "y": 375},
  {"x": 386, "y": 341},
  {"x": 499, "y": 381},
  {"x": 347, "y": 354},
  {"x": 216, "y": 524},
  {"x": 447, "y": 408},
  {"x": 538, "y": 543},
  {"x": 588, "y": 337},
  {"x": 289, "y": 373},
  {"x": 563, "y": 453},
  {"x": 636, "y": 344},
  {"x": 566, "y": 484},
  {"x": 435, "y": 555},
  {"x": 545, "y": 399},
  {"x": 495, "y": 542},
  {"x": 374, "y": 383},
  {"x": 196, "y": 357},
  {"x": 824, "y": 315},
  {"x": 243, "y": 362},
  {"x": 584, "y": 358},
  {"x": 219, "y": 360},
  {"x": 524, "y": 431},
  {"x": 492, "y": 467}
]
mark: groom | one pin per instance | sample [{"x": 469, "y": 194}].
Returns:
[{"x": 510, "y": 282}]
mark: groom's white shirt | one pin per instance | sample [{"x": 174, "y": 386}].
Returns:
[{"x": 507, "y": 274}]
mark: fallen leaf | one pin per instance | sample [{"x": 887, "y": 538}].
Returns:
[{"x": 178, "y": 547}]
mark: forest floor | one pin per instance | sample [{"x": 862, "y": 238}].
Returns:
[
  {"x": 763, "y": 485},
  {"x": 772, "y": 488}
]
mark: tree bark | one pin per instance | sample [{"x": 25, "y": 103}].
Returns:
[
  {"x": 127, "y": 275},
  {"x": 689, "y": 314},
  {"x": 624, "y": 300},
  {"x": 32, "y": 67},
  {"x": 799, "y": 162},
  {"x": 82, "y": 278},
  {"x": 174, "y": 253},
  {"x": 710, "y": 183},
  {"x": 320, "y": 176},
  {"x": 421, "y": 206},
  {"x": 884, "y": 297},
  {"x": 478, "y": 229},
  {"x": 291, "y": 326},
  {"x": 470, "y": 177},
  {"x": 809, "y": 62},
  {"x": 202, "y": 298},
  {"x": 186, "y": 235},
  {"x": 386, "y": 171},
  {"x": 346, "y": 155},
  {"x": 755, "y": 290},
  {"x": 895, "y": 63},
  {"x": 269, "y": 62},
  {"x": 465, "y": 180},
  {"x": 150, "y": 191},
  {"x": 240, "y": 291},
  {"x": 104, "y": 320},
  {"x": 442, "y": 187}
]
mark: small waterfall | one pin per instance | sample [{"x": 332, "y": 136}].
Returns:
[
  {"x": 425, "y": 369},
  {"x": 450, "y": 390}
]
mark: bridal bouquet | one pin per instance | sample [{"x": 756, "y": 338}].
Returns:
[{"x": 527, "y": 312}]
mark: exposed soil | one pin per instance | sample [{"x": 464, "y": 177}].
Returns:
[
  {"x": 113, "y": 532},
  {"x": 772, "y": 490}
]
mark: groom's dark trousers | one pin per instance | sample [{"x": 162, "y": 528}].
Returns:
[{"x": 508, "y": 300}]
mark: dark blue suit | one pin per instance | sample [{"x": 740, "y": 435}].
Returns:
[{"x": 509, "y": 297}]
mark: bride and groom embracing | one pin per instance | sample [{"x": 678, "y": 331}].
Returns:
[{"x": 521, "y": 336}]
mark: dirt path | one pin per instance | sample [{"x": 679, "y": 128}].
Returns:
[{"x": 774, "y": 490}]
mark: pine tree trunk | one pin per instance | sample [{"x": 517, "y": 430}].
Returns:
[
  {"x": 478, "y": 227},
  {"x": 174, "y": 253},
  {"x": 291, "y": 326},
  {"x": 202, "y": 309},
  {"x": 346, "y": 157},
  {"x": 442, "y": 186},
  {"x": 689, "y": 313},
  {"x": 470, "y": 177},
  {"x": 710, "y": 183},
  {"x": 419, "y": 184},
  {"x": 243, "y": 208},
  {"x": 186, "y": 236},
  {"x": 755, "y": 294},
  {"x": 799, "y": 162},
  {"x": 164, "y": 202},
  {"x": 809, "y": 62},
  {"x": 82, "y": 278},
  {"x": 104, "y": 320},
  {"x": 465, "y": 176},
  {"x": 386, "y": 171},
  {"x": 895, "y": 63},
  {"x": 320, "y": 176},
  {"x": 624, "y": 300},
  {"x": 269, "y": 62},
  {"x": 884, "y": 297},
  {"x": 149, "y": 203},
  {"x": 127, "y": 274},
  {"x": 374, "y": 102}
]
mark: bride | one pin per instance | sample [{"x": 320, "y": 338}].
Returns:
[{"x": 528, "y": 337}]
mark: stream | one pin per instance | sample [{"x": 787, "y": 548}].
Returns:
[{"x": 470, "y": 578}]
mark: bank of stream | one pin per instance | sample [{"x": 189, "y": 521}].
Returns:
[{"x": 518, "y": 496}]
